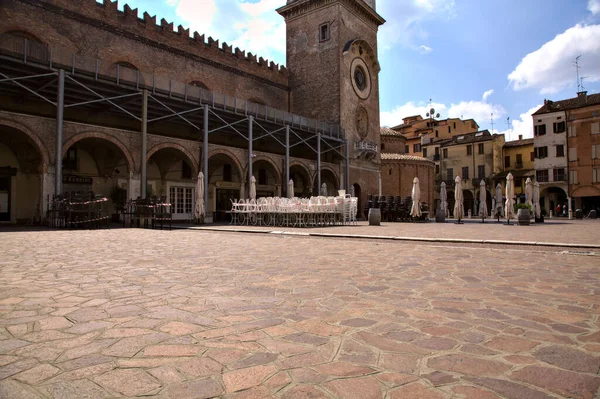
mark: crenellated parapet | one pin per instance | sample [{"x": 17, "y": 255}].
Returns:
[{"x": 147, "y": 27}]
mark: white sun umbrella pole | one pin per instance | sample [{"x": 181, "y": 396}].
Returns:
[
  {"x": 529, "y": 192},
  {"x": 510, "y": 202},
  {"x": 290, "y": 189},
  {"x": 482, "y": 201},
  {"x": 324, "y": 190},
  {"x": 253, "y": 188},
  {"x": 498, "y": 209},
  {"x": 199, "y": 210},
  {"x": 459, "y": 209},
  {"x": 415, "y": 209},
  {"x": 444, "y": 199},
  {"x": 536, "y": 200}
]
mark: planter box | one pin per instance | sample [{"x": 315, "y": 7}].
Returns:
[
  {"x": 524, "y": 217},
  {"x": 440, "y": 216}
]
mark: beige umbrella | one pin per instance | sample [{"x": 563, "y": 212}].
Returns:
[
  {"x": 498, "y": 208},
  {"x": 415, "y": 210},
  {"x": 199, "y": 211},
  {"x": 483, "y": 212},
  {"x": 324, "y": 190},
  {"x": 290, "y": 190},
  {"x": 510, "y": 193},
  {"x": 253, "y": 188},
  {"x": 459, "y": 208},
  {"x": 529, "y": 192},
  {"x": 443, "y": 198},
  {"x": 536, "y": 200},
  {"x": 243, "y": 190}
]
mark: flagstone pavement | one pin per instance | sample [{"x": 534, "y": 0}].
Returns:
[{"x": 197, "y": 314}]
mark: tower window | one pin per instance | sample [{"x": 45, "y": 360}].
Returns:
[{"x": 324, "y": 32}]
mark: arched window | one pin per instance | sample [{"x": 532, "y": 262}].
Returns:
[
  {"x": 16, "y": 41},
  {"x": 126, "y": 71},
  {"x": 199, "y": 84}
]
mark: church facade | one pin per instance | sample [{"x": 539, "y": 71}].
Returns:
[{"x": 93, "y": 97}]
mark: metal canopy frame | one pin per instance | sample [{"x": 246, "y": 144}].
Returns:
[{"x": 71, "y": 86}]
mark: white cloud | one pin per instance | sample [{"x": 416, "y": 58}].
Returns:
[
  {"x": 522, "y": 126},
  {"x": 425, "y": 49},
  {"x": 594, "y": 6},
  {"x": 487, "y": 94},
  {"x": 405, "y": 19},
  {"x": 480, "y": 111},
  {"x": 256, "y": 27},
  {"x": 550, "y": 68}
]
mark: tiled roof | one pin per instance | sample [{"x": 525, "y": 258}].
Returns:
[
  {"x": 570, "y": 103},
  {"x": 402, "y": 157},
  {"x": 483, "y": 135},
  {"x": 386, "y": 131},
  {"x": 516, "y": 173},
  {"x": 518, "y": 143}
]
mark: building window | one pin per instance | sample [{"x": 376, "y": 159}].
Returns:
[
  {"x": 507, "y": 162},
  {"x": 406, "y": 149},
  {"x": 531, "y": 156},
  {"x": 186, "y": 171},
  {"x": 450, "y": 174},
  {"x": 436, "y": 134},
  {"x": 449, "y": 130},
  {"x": 454, "y": 125},
  {"x": 541, "y": 152},
  {"x": 572, "y": 154},
  {"x": 596, "y": 175},
  {"x": 437, "y": 151},
  {"x": 437, "y": 169},
  {"x": 560, "y": 150},
  {"x": 465, "y": 173},
  {"x": 519, "y": 161},
  {"x": 541, "y": 176},
  {"x": 559, "y": 127},
  {"x": 323, "y": 32},
  {"x": 262, "y": 177},
  {"x": 572, "y": 131},
  {"x": 70, "y": 160},
  {"x": 596, "y": 151},
  {"x": 390, "y": 172},
  {"x": 382, "y": 146},
  {"x": 573, "y": 177},
  {"x": 540, "y": 130},
  {"x": 596, "y": 128},
  {"x": 481, "y": 148},
  {"x": 416, "y": 148},
  {"x": 445, "y": 153},
  {"x": 481, "y": 171},
  {"x": 227, "y": 172},
  {"x": 559, "y": 174},
  {"x": 424, "y": 152},
  {"x": 469, "y": 149}
]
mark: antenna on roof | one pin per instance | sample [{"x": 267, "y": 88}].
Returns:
[
  {"x": 492, "y": 118},
  {"x": 576, "y": 63},
  {"x": 581, "y": 88}
]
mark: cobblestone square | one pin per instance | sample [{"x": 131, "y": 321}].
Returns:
[{"x": 201, "y": 314}]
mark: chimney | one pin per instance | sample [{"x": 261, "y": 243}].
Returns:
[
  {"x": 582, "y": 96},
  {"x": 520, "y": 137}
]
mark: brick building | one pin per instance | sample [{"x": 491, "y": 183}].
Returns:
[
  {"x": 519, "y": 161},
  {"x": 92, "y": 97}
]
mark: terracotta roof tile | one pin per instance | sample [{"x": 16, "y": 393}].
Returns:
[
  {"x": 570, "y": 103},
  {"x": 402, "y": 157}
]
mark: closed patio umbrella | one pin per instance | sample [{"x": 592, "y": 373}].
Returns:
[
  {"x": 199, "y": 210},
  {"x": 324, "y": 190},
  {"x": 498, "y": 208},
  {"x": 290, "y": 189},
  {"x": 415, "y": 209},
  {"x": 510, "y": 201},
  {"x": 459, "y": 209},
  {"x": 443, "y": 198},
  {"x": 253, "y": 188},
  {"x": 483, "y": 212},
  {"x": 536, "y": 200},
  {"x": 529, "y": 192},
  {"x": 243, "y": 190}
]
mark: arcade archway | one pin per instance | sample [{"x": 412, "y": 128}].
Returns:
[{"x": 225, "y": 183}]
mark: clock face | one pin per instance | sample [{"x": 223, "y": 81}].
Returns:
[{"x": 361, "y": 78}]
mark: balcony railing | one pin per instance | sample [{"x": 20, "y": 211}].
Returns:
[
  {"x": 368, "y": 149},
  {"x": 519, "y": 165}
]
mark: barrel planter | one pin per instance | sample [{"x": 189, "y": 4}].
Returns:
[
  {"x": 440, "y": 216},
  {"x": 374, "y": 217},
  {"x": 523, "y": 217}
]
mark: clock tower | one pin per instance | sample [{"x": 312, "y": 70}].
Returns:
[{"x": 334, "y": 76}]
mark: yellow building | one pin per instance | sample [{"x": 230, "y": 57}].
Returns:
[
  {"x": 419, "y": 131},
  {"x": 518, "y": 160},
  {"x": 473, "y": 157}
]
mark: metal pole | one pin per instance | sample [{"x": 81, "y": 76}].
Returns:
[
  {"x": 347, "y": 166},
  {"x": 60, "y": 109},
  {"x": 287, "y": 157},
  {"x": 144, "y": 143},
  {"x": 319, "y": 163},
  {"x": 205, "y": 157},
  {"x": 250, "y": 155}
]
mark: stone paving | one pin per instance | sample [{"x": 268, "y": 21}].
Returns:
[
  {"x": 193, "y": 314},
  {"x": 556, "y": 230}
]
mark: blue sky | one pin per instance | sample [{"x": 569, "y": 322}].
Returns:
[{"x": 470, "y": 57}]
